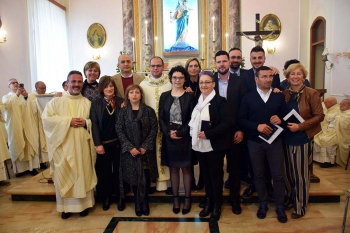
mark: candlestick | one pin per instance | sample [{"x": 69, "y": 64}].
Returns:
[
  {"x": 155, "y": 45},
  {"x": 227, "y": 42},
  {"x": 146, "y": 32},
  {"x": 213, "y": 18},
  {"x": 202, "y": 45},
  {"x": 133, "y": 49}
]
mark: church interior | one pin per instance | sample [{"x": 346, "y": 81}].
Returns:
[{"x": 312, "y": 31}]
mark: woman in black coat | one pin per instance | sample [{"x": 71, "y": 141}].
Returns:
[
  {"x": 103, "y": 114},
  {"x": 137, "y": 129},
  {"x": 209, "y": 128},
  {"x": 175, "y": 107}
]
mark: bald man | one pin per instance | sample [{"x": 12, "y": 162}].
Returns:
[
  {"x": 325, "y": 146},
  {"x": 125, "y": 78},
  {"x": 40, "y": 88}
]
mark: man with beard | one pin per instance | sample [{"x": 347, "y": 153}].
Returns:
[
  {"x": 232, "y": 87},
  {"x": 125, "y": 78},
  {"x": 71, "y": 148}
]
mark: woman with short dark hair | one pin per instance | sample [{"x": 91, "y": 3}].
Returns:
[
  {"x": 92, "y": 72},
  {"x": 103, "y": 114}
]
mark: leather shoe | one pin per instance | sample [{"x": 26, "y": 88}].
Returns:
[
  {"x": 34, "y": 172},
  {"x": 186, "y": 211},
  {"x": 138, "y": 209},
  {"x": 236, "y": 207},
  {"x": 106, "y": 204},
  {"x": 207, "y": 208},
  {"x": 176, "y": 201},
  {"x": 84, "y": 213},
  {"x": 281, "y": 215},
  {"x": 296, "y": 216},
  {"x": 152, "y": 190},
  {"x": 249, "y": 191},
  {"x": 65, "y": 215},
  {"x": 121, "y": 204},
  {"x": 215, "y": 214},
  {"x": 202, "y": 203},
  {"x": 145, "y": 208},
  {"x": 326, "y": 165},
  {"x": 169, "y": 191},
  {"x": 262, "y": 211}
]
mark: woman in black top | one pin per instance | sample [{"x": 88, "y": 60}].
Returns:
[
  {"x": 92, "y": 72},
  {"x": 193, "y": 67},
  {"x": 104, "y": 113},
  {"x": 175, "y": 108},
  {"x": 137, "y": 129}
]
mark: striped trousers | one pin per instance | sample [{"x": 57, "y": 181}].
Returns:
[{"x": 297, "y": 166}]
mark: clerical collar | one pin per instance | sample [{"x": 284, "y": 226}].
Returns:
[{"x": 130, "y": 76}]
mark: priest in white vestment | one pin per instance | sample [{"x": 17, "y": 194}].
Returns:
[
  {"x": 22, "y": 139},
  {"x": 153, "y": 86},
  {"x": 325, "y": 146},
  {"x": 71, "y": 149},
  {"x": 4, "y": 155},
  {"x": 342, "y": 127}
]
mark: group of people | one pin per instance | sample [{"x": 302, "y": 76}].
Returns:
[{"x": 128, "y": 132}]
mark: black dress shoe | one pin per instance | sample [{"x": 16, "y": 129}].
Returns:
[
  {"x": 236, "y": 207},
  {"x": 227, "y": 183},
  {"x": 249, "y": 191},
  {"x": 262, "y": 211},
  {"x": 34, "y": 172},
  {"x": 296, "y": 216},
  {"x": 207, "y": 209},
  {"x": 281, "y": 215},
  {"x": 43, "y": 166},
  {"x": 186, "y": 211},
  {"x": 169, "y": 191},
  {"x": 121, "y": 204},
  {"x": 215, "y": 214},
  {"x": 202, "y": 203},
  {"x": 145, "y": 208},
  {"x": 20, "y": 174},
  {"x": 138, "y": 209},
  {"x": 65, "y": 215},
  {"x": 106, "y": 204},
  {"x": 84, "y": 213},
  {"x": 326, "y": 165},
  {"x": 152, "y": 190},
  {"x": 176, "y": 201}
]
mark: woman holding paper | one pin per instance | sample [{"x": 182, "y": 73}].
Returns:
[
  {"x": 298, "y": 137},
  {"x": 209, "y": 128},
  {"x": 175, "y": 108}
]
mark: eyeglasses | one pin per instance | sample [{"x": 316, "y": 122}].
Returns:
[
  {"x": 178, "y": 78},
  {"x": 13, "y": 83},
  {"x": 204, "y": 83},
  {"x": 158, "y": 66}
]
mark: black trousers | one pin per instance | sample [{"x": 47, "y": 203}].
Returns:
[
  {"x": 234, "y": 169},
  {"x": 107, "y": 171},
  {"x": 273, "y": 152},
  {"x": 212, "y": 167}
]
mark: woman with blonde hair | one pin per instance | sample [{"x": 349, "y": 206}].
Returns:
[{"x": 92, "y": 72}]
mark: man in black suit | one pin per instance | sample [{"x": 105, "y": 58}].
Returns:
[{"x": 232, "y": 87}]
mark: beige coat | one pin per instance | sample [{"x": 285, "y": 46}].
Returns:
[{"x": 118, "y": 82}]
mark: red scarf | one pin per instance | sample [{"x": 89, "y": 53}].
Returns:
[{"x": 110, "y": 101}]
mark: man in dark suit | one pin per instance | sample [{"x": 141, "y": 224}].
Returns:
[
  {"x": 232, "y": 87},
  {"x": 260, "y": 111}
]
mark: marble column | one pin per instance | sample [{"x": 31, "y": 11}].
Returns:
[
  {"x": 128, "y": 26},
  {"x": 234, "y": 23},
  {"x": 214, "y": 10},
  {"x": 146, "y": 14}
]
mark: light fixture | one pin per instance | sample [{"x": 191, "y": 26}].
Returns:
[
  {"x": 2, "y": 34},
  {"x": 271, "y": 47},
  {"x": 96, "y": 54},
  {"x": 325, "y": 59}
]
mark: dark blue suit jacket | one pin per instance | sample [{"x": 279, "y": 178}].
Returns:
[{"x": 250, "y": 78}]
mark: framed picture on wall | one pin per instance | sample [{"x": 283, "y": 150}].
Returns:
[
  {"x": 96, "y": 36},
  {"x": 271, "y": 22},
  {"x": 180, "y": 27}
]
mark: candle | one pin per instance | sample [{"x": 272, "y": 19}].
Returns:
[
  {"x": 146, "y": 32},
  {"x": 155, "y": 45},
  {"x": 213, "y": 18},
  {"x": 202, "y": 45},
  {"x": 133, "y": 49},
  {"x": 227, "y": 42}
]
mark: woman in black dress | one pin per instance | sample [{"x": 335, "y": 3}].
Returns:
[
  {"x": 137, "y": 130},
  {"x": 175, "y": 107},
  {"x": 103, "y": 114}
]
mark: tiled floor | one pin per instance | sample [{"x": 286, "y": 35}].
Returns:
[{"x": 24, "y": 216}]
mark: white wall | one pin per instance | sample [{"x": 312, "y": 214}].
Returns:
[
  {"x": 83, "y": 13},
  {"x": 14, "y": 54},
  {"x": 287, "y": 44}
]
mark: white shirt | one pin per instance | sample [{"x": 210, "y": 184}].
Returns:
[{"x": 264, "y": 97}]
